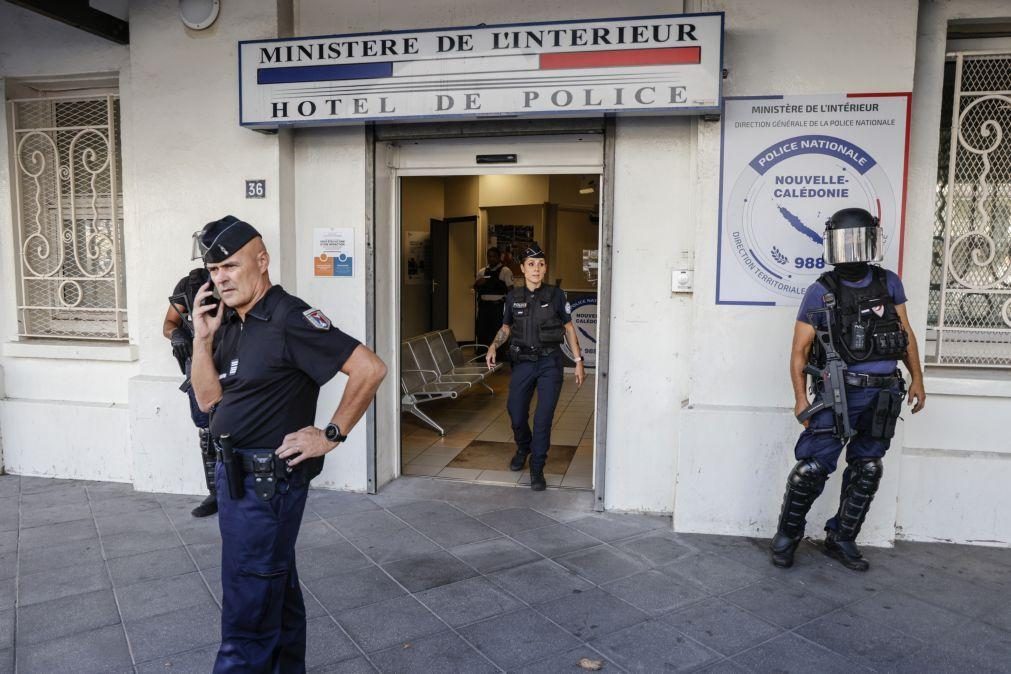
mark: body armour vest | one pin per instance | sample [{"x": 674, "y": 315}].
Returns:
[
  {"x": 196, "y": 278},
  {"x": 866, "y": 326},
  {"x": 494, "y": 285},
  {"x": 536, "y": 324}
]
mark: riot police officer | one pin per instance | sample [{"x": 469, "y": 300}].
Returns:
[
  {"x": 258, "y": 364},
  {"x": 491, "y": 286},
  {"x": 536, "y": 319},
  {"x": 178, "y": 329},
  {"x": 850, "y": 332}
]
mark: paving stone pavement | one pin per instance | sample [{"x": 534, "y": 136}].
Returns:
[{"x": 436, "y": 576}]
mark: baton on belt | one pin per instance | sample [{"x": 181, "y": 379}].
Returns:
[{"x": 233, "y": 470}]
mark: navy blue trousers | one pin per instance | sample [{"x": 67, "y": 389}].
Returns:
[
  {"x": 543, "y": 375},
  {"x": 262, "y": 611},
  {"x": 827, "y": 448}
]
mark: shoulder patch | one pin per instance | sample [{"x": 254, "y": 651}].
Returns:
[
  {"x": 317, "y": 319},
  {"x": 568, "y": 308}
]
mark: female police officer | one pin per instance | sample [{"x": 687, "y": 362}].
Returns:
[{"x": 536, "y": 319}]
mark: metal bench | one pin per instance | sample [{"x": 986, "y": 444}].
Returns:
[{"x": 433, "y": 367}]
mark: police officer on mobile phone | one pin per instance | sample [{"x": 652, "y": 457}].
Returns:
[{"x": 260, "y": 356}]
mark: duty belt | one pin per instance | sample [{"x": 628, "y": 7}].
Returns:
[
  {"x": 533, "y": 352},
  {"x": 270, "y": 474},
  {"x": 872, "y": 381}
]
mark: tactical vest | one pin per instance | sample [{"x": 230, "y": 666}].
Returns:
[
  {"x": 866, "y": 325},
  {"x": 196, "y": 278},
  {"x": 494, "y": 284},
  {"x": 536, "y": 325}
]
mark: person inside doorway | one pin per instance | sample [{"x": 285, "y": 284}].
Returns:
[
  {"x": 491, "y": 286},
  {"x": 536, "y": 318}
]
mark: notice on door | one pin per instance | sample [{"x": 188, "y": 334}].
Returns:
[
  {"x": 790, "y": 162},
  {"x": 333, "y": 251}
]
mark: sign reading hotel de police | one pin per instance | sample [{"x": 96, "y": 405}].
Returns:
[{"x": 670, "y": 64}]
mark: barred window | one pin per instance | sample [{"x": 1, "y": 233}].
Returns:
[
  {"x": 969, "y": 322},
  {"x": 68, "y": 208}
]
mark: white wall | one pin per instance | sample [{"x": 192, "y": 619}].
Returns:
[
  {"x": 330, "y": 181},
  {"x": 650, "y": 328}
]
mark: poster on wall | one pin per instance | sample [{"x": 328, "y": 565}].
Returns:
[
  {"x": 788, "y": 163},
  {"x": 584, "y": 319},
  {"x": 333, "y": 251},
  {"x": 417, "y": 258}
]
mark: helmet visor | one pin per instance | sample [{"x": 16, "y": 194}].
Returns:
[
  {"x": 198, "y": 247},
  {"x": 854, "y": 244}
]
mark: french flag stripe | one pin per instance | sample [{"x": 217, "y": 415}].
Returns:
[
  {"x": 621, "y": 57},
  {"x": 467, "y": 66},
  {"x": 328, "y": 73}
]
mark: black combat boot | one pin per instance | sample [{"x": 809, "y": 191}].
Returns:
[
  {"x": 537, "y": 481},
  {"x": 803, "y": 486},
  {"x": 519, "y": 460},
  {"x": 209, "y": 505},
  {"x": 860, "y": 484},
  {"x": 845, "y": 552}
]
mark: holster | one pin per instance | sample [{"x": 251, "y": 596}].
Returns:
[
  {"x": 232, "y": 466},
  {"x": 519, "y": 354},
  {"x": 268, "y": 472},
  {"x": 883, "y": 413},
  {"x": 209, "y": 455}
]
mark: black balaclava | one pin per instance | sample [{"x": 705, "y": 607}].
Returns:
[{"x": 852, "y": 272}]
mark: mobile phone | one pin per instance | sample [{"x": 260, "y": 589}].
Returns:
[{"x": 214, "y": 298}]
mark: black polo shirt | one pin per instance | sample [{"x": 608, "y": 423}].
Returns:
[{"x": 271, "y": 367}]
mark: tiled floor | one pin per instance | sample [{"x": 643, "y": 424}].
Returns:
[
  {"x": 441, "y": 576},
  {"x": 480, "y": 416}
]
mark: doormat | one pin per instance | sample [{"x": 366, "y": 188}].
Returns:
[{"x": 482, "y": 455}]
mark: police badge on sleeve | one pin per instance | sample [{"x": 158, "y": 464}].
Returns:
[{"x": 317, "y": 319}]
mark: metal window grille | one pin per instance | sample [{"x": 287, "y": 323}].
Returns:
[
  {"x": 970, "y": 308},
  {"x": 69, "y": 218}
]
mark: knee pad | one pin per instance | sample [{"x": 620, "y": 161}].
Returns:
[
  {"x": 866, "y": 475},
  {"x": 808, "y": 474},
  {"x": 803, "y": 486}
]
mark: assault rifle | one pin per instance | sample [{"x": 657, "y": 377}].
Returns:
[{"x": 832, "y": 392}]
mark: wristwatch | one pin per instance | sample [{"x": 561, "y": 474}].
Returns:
[{"x": 333, "y": 433}]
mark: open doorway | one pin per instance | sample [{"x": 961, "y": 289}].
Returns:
[{"x": 461, "y": 236}]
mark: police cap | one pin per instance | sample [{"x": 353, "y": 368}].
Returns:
[
  {"x": 533, "y": 251},
  {"x": 222, "y": 238}
]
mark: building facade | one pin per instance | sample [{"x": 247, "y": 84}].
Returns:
[{"x": 694, "y": 405}]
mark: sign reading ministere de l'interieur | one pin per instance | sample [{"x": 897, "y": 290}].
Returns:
[{"x": 662, "y": 64}]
